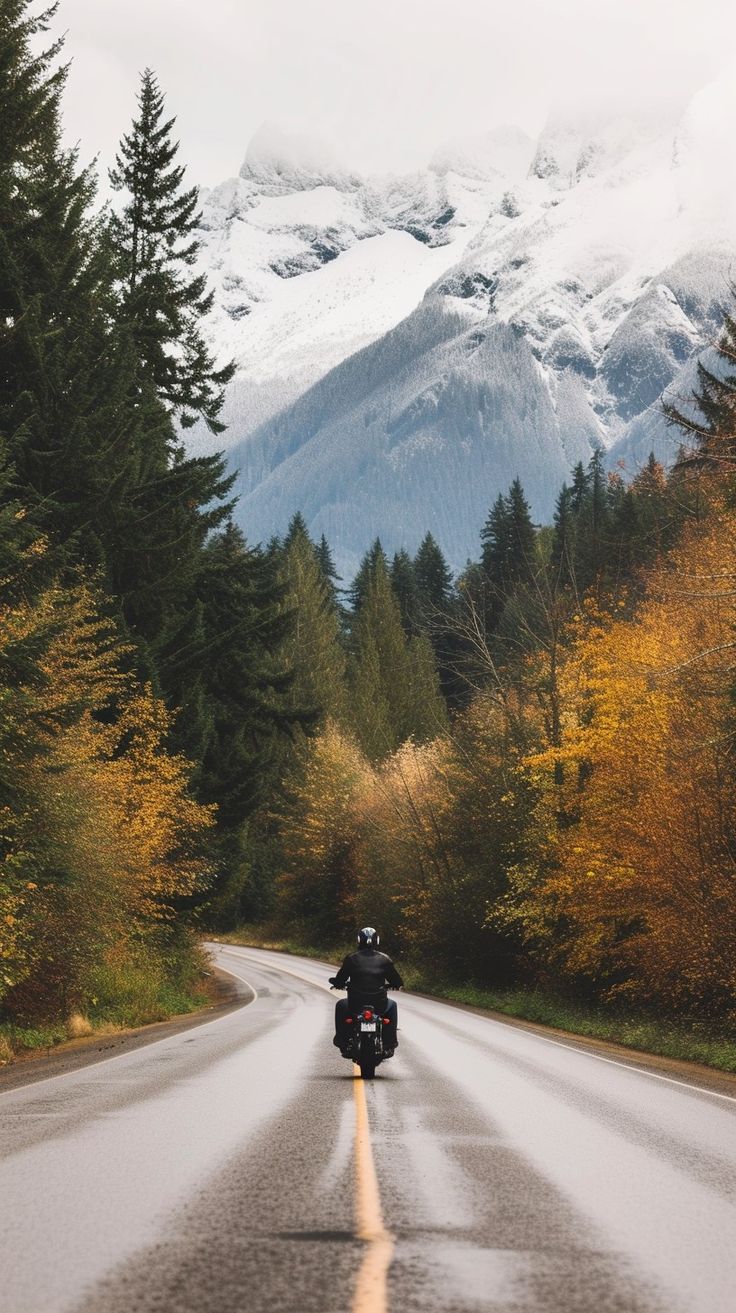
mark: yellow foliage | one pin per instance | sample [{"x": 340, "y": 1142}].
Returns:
[
  {"x": 319, "y": 826},
  {"x": 100, "y": 835},
  {"x": 645, "y": 884}
]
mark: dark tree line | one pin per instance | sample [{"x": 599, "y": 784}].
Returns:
[{"x": 103, "y": 360}]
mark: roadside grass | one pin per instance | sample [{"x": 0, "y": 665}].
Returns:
[
  {"x": 258, "y": 936},
  {"x": 711, "y": 1043},
  {"x": 686, "y": 1041},
  {"x": 120, "y": 996}
]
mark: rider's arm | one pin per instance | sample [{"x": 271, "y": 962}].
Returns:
[
  {"x": 393, "y": 978},
  {"x": 343, "y": 975}
]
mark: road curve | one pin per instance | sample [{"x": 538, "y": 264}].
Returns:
[{"x": 239, "y": 1166}]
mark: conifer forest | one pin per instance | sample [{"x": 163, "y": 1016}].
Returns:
[{"x": 525, "y": 773}]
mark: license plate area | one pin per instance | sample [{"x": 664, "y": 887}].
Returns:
[{"x": 367, "y": 1025}]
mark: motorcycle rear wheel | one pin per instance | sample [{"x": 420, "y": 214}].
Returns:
[{"x": 367, "y": 1068}]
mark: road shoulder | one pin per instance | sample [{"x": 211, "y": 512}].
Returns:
[
  {"x": 691, "y": 1073},
  {"x": 232, "y": 993}
]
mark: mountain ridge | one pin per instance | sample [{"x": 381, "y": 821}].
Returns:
[{"x": 410, "y": 345}]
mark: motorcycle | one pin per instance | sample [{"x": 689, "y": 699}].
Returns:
[{"x": 366, "y": 1047}]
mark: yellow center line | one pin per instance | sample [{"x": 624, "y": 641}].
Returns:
[{"x": 371, "y": 1291}]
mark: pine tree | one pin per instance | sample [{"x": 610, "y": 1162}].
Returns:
[
  {"x": 711, "y": 425},
  {"x": 593, "y": 539},
  {"x": 327, "y": 568},
  {"x": 522, "y": 536},
  {"x": 297, "y": 532},
  {"x": 374, "y": 558},
  {"x": 55, "y": 368},
  {"x": 494, "y": 537},
  {"x": 578, "y": 488},
  {"x": 658, "y": 512},
  {"x": 312, "y": 652},
  {"x": 434, "y": 579},
  {"x": 240, "y": 673},
  {"x": 394, "y": 685},
  {"x": 563, "y": 541},
  {"x": 509, "y": 552},
  {"x": 162, "y": 301},
  {"x": 404, "y": 584}
]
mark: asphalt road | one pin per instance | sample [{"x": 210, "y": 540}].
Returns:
[{"x": 240, "y": 1167}]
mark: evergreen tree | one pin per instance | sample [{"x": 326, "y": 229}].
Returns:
[
  {"x": 494, "y": 537},
  {"x": 327, "y": 568},
  {"x": 659, "y": 514},
  {"x": 593, "y": 538},
  {"x": 509, "y": 540},
  {"x": 240, "y": 673},
  {"x": 394, "y": 683},
  {"x": 163, "y": 302},
  {"x": 509, "y": 552},
  {"x": 312, "y": 652},
  {"x": 433, "y": 577},
  {"x": 427, "y": 712},
  {"x": 578, "y": 488},
  {"x": 297, "y": 532},
  {"x": 92, "y": 443},
  {"x": 374, "y": 558},
  {"x": 711, "y": 424},
  {"x": 55, "y": 374},
  {"x": 522, "y": 536},
  {"x": 563, "y": 541},
  {"x": 404, "y": 584}
]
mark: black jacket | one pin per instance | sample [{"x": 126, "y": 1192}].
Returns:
[{"x": 366, "y": 974}]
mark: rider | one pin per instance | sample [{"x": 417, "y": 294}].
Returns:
[{"x": 366, "y": 974}]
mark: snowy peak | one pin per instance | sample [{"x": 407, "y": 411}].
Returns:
[
  {"x": 575, "y": 146},
  {"x": 407, "y": 345},
  {"x": 277, "y": 162}
]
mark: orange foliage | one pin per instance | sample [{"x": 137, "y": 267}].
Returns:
[
  {"x": 100, "y": 835},
  {"x": 644, "y": 894}
]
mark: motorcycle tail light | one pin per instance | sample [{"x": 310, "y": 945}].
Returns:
[
  {"x": 367, "y": 1015},
  {"x": 348, "y": 1020},
  {"x": 386, "y": 1021}
]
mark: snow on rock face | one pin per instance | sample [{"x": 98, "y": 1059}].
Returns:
[
  {"x": 278, "y": 163},
  {"x": 309, "y": 263},
  {"x": 408, "y": 345}
]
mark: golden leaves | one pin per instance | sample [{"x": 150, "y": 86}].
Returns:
[{"x": 102, "y": 835}]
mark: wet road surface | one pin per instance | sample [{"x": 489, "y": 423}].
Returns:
[{"x": 239, "y": 1166}]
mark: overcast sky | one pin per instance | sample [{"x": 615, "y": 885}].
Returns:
[{"x": 385, "y": 81}]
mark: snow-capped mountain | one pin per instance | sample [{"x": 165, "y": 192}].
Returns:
[{"x": 407, "y": 346}]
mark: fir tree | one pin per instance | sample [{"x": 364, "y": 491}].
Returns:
[
  {"x": 374, "y": 557},
  {"x": 55, "y": 374},
  {"x": 563, "y": 541},
  {"x": 327, "y": 568},
  {"x": 522, "y": 536},
  {"x": 578, "y": 488},
  {"x": 434, "y": 579},
  {"x": 593, "y": 539},
  {"x": 394, "y": 685},
  {"x": 711, "y": 422},
  {"x": 297, "y": 532},
  {"x": 163, "y": 302},
  {"x": 312, "y": 652},
  {"x": 509, "y": 552},
  {"x": 240, "y": 672},
  {"x": 495, "y": 540},
  {"x": 404, "y": 584}
]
